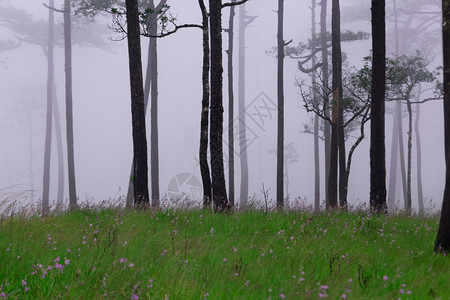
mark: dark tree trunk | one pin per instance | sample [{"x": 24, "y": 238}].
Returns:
[
  {"x": 141, "y": 196},
  {"x": 69, "y": 110},
  {"x": 280, "y": 92},
  {"x": 377, "y": 143},
  {"x": 244, "y": 21},
  {"x": 48, "y": 125},
  {"x": 419, "y": 161},
  {"x": 409, "y": 201},
  {"x": 325, "y": 75},
  {"x": 316, "y": 117},
  {"x": 337, "y": 96},
  {"x": 402, "y": 156},
  {"x": 216, "y": 130},
  {"x": 151, "y": 72},
  {"x": 231, "y": 106},
  {"x": 443, "y": 235},
  {"x": 204, "y": 122}
]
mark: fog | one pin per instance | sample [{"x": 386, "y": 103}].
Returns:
[{"x": 102, "y": 110}]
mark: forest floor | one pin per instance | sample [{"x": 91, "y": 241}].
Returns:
[{"x": 176, "y": 254}]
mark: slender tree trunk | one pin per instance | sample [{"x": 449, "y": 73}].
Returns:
[
  {"x": 154, "y": 140},
  {"x": 394, "y": 161},
  {"x": 280, "y": 89},
  {"x": 409, "y": 201},
  {"x": 316, "y": 117},
  {"x": 325, "y": 75},
  {"x": 204, "y": 122},
  {"x": 443, "y": 236},
  {"x": 337, "y": 96},
  {"x": 30, "y": 155},
  {"x": 48, "y": 125},
  {"x": 69, "y": 109},
  {"x": 377, "y": 142},
  {"x": 402, "y": 157},
  {"x": 231, "y": 106},
  {"x": 244, "y": 21},
  {"x": 419, "y": 161},
  {"x": 141, "y": 195},
  {"x": 59, "y": 147},
  {"x": 216, "y": 130}
]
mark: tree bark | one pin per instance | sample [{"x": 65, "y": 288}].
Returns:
[
  {"x": 244, "y": 21},
  {"x": 316, "y": 117},
  {"x": 377, "y": 142},
  {"x": 419, "y": 161},
  {"x": 443, "y": 236},
  {"x": 394, "y": 161},
  {"x": 48, "y": 125},
  {"x": 337, "y": 96},
  {"x": 216, "y": 130},
  {"x": 204, "y": 122},
  {"x": 59, "y": 148},
  {"x": 280, "y": 93},
  {"x": 408, "y": 194},
  {"x": 141, "y": 195},
  {"x": 231, "y": 106},
  {"x": 325, "y": 75},
  {"x": 69, "y": 105}
]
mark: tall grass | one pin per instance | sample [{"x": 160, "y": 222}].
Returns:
[{"x": 114, "y": 253}]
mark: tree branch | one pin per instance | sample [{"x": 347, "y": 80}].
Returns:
[
  {"x": 234, "y": 3},
  {"x": 54, "y": 9}
]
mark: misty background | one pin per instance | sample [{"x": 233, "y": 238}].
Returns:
[{"x": 102, "y": 113}]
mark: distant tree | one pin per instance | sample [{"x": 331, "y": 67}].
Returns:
[
  {"x": 244, "y": 21},
  {"x": 230, "y": 53},
  {"x": 141, "y": 195},
  {"x": 442, "y": 244}
]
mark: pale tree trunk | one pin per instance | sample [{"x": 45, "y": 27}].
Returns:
[
  {"x": 402, "y": 157},
  {"x": 419, "y": 162},
  {"x": 280, "y": 92},
  {"x": 48, "y": 126},
  {"x": 59, "y": 147},
  {"x": 394, "y": 161},
  {"x": 69, "y": 106},
  {"x": 409, "y": 200},
  {"x": 216, "y": 129},
  {"x": 316, "y": 117},
  {"x": 244, "y": 21},
  {"x": 231, "y": 106},
  {"x": 325, "y": 75}
]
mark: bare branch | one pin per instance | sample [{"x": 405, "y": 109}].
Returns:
[
  {"x": 54, "y": 9},
  {"x": 234, "y": 3}
]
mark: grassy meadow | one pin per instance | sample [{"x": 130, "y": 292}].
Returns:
[{"x": 176, "y": 254}]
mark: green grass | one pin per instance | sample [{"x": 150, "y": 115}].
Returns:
[{"x": 118, "y": 254}]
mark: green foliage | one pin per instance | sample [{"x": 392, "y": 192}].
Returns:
[{"x": 91, "y": 254}]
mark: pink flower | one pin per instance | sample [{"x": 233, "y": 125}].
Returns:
[
  {"x": 344, "y": 296},
  {"x": 385, "y": 278},
  {"x": 282, "y": 296},
  {"x": 130, "y": 265},
  {"x": 134, "y": 296},
  {"x": 67, "y": 262}
]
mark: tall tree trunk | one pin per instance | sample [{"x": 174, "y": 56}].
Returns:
[
  {"x": 402, "y": 157},
  {"x": 325, "y": 75},
  {"x": 316, "y": 117},
  {"x": 151, "y": 72},
  {"x": 394, "y": 161},
  {"x": 443, "y": 236},
  {"x": 141, "y": 195},
  {"x": 419, "y": 160},
  {"x": 409, "y": 201},
  {"x": 59, "y": 147},
  {"x": 280, "y": 92},
  {"x": 69, "y": 109},
  {"x": 337, "y": 96},
  {"x": 216, "y": 130},
  {"x": 30, "y": 155},
  {"x": 377, "y": 142},
  {"x": 48, "y": 125},
  {"x": 231, "y": 106},
  {"x": 244, "y": 21},
  {"x": 154, "y": 140},
  {"x": 204, "y": 122}
]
